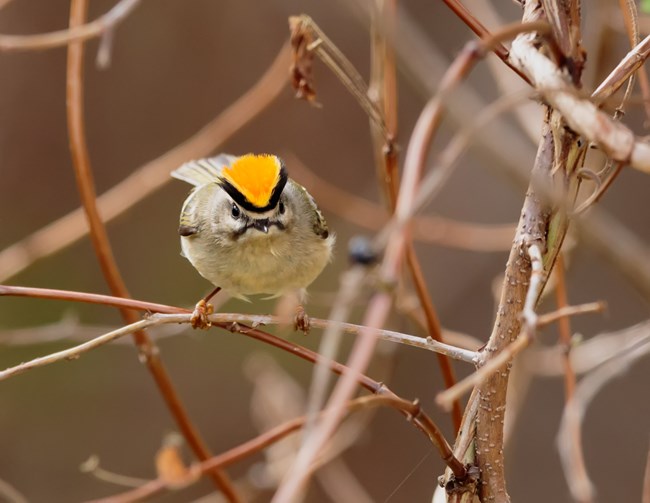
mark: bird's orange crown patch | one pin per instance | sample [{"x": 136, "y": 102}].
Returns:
[{"x": 255, "y": 177}]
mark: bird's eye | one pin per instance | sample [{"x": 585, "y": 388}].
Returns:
[
  {"x": 281, "y": 208},
  {"x": 235, "y": 212}
]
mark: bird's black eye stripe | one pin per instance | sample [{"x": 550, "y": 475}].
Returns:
[
  {"x": 235, "y": 212},
  {"x": 281, "y": 208}
]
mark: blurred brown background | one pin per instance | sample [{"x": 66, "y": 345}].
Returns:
[{"x": 175, "y": 66}]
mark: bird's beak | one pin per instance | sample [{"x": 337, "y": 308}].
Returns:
[{"x": 262, "y": 225}]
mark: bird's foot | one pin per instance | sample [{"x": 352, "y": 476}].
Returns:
[
  {"x": 301, "y": 320},
  {"x": 200, "y": 315}
]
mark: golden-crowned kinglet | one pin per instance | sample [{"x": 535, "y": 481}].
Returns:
[{"x": 250, "y": 229}]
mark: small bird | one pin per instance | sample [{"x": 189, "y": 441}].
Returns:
[{"x": 250, "y": 229}]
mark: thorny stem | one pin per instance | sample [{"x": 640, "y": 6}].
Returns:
[
  {"x": 83, "y": 173},
  {"x": 491, "y": 392},
  {"x": 445, "y": 398}
]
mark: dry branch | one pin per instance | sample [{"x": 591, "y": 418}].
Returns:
[
  {"x": 584, "y": 117},
  {"x": 149, "y": 353}
]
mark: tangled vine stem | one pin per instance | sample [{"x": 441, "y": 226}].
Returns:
[
  {"x": 532, "y": 322},
  {"x": 103, "y": 251},
  {"x": 421, "y": 420}
]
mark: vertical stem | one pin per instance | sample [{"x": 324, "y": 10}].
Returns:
[
  {"x": 564, "y": 326},
  {"x": 384, "y": 83},
  {"x": 491, "y": 395},
  {"x": 85, "y": 183}
]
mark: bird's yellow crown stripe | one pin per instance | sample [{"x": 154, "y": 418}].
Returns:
[{"x": 254, "y": 177}]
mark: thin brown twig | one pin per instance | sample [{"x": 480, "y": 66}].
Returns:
[
  {"x": 382, "y": 89},
  {"x": 91, "y": 298},
  {"x": 588, "y": 308},
  {"x": 632, "y": 61},
  {"x": 83, "y": 173},
  {"x": 92, "y": 467},
  {"x": 96, "y": 28},
  {"x": 564, "y": 326},
  {"x": 222, "y": 319},
  {"x": 384, "y": 72},
  {"x": 308, "y": 38},
  {"x": 151, "y": 176},
  {"x": 425, "y": 128},
  {"x": 477, "y": 27}
]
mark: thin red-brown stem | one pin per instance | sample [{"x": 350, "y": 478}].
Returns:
[
  {"x": 91, "y": 298},
  {"x": 477, "y": 27},
  {"x": 247, "y": 449},
  {"x": 564, "y": 327},
  {"x": 388, "y": 82},
  {"x": 386, "y": 75},
  {"x": 101, "y": 244},
  {"x": 433, "y": 327}
]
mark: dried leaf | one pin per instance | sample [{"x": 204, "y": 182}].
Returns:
[
  {"x": 301, "y": 69},
  {"x": 170, "y": 466}
]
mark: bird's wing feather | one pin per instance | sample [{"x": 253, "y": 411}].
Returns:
[{"x": 203, "y": 171}]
